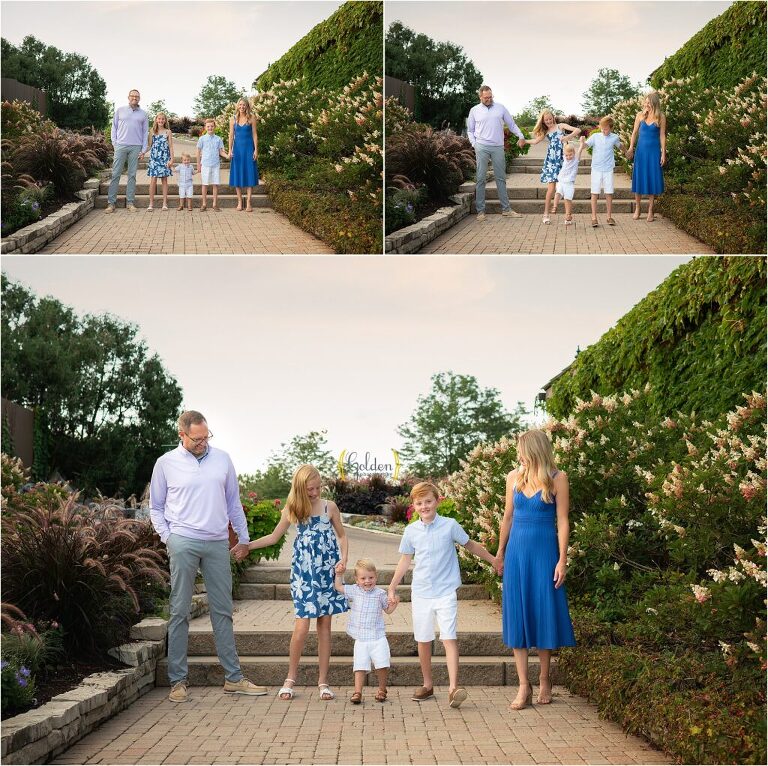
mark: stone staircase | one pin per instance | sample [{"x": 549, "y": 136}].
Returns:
[
  {"x": 527, "y": 193},
  {"x": 264, "y": 621}
]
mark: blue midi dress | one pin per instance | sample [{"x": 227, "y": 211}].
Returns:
[
  {"x": 244, "y": 170},
  {"x": 315, "y": 555},
  {"x": 647, "y": 176},
  {"x": 554, "y": 158},
  {"x": 533, "y": 611},
  {"x": 159, "y": 154}
]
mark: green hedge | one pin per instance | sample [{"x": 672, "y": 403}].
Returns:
[
  {"x": 337, "y": 50},
  {"x": 344, "y": 224},
  {"x": 725, "y": 51},
  {"x": 699, "y": 339}
]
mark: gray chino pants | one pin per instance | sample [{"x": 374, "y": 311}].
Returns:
[
  {"x": 495, "y": 155},
  {"x": 212, "y": 558}
]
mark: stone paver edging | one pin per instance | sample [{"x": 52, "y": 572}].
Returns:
[
  {"x": 37, "y": 235},
  {"x": 412, "y": 238},
  {"x": 41, "y": 734}
]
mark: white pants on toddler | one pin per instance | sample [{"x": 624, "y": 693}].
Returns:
[
  {"x": 211, "y": 174},
  {"x": 601, "y": 180},
  {"x": 376, "y": 651},
  {"x": 426, "y": 610},
  {"x": 565, "y": 189},
  {"x": 185, "y": 191}
]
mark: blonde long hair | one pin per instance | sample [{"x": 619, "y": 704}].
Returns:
[
  {"x": 536, "y": 449},
  {"x": 248, "y": 112},
  {"x": 653, "y": 97},
  {"x": 154, "y": 123},
  {"x": 540, "y": 129},
  {"x": 298, "y": 504}
]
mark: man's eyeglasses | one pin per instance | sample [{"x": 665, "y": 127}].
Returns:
[{"x": 200, "y": 440}]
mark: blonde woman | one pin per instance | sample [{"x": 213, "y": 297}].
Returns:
[
  {"x": 160, "y": 158},
  {"x": 318, "y": 554},
  {"x": 650, "y": 132},
  {"x": 533, "y": 564},
  {"x": 244, "y": 150},
  {"x": 548, "y": 127}
]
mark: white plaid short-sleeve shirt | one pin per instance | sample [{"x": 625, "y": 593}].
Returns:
[{"x": 366, "y": 619}]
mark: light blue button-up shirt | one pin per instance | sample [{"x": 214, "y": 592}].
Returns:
[
  {"x": 210, "y": 147},
  {"x": 436, "y": 565},
  {"x": 602, "y": 151},
  {"x": 196, "y": 498},
  {"x": 485, "y": 124}
]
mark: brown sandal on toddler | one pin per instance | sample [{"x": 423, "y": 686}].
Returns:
[
  {"x": 356, "y": 698},
  {"x": 381, "y": 695}
]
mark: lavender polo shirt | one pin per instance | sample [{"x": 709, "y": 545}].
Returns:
[
  {"x": 485, "y": 124},
  {"x": 131, "y": 127},
  {"x": 436, "y": 564},
  {"x": 195, "y": 498}
]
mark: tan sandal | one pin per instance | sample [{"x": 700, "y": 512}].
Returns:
[
  {"x": 381, "y": 695},
  {"x": 544, "y": 697},
  {"x": 356, "y": 698},
  {"x": 611, "y": 222},
  {"x": 595, "y": 223},
  {"x": 520, "y": 704}
]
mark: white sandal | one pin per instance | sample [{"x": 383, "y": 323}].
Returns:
[
  {"x": 326, "y": 693},
  {"x": 286, "y": 690},
  {"x": 150, "y": 209},
  {"x": 546, "y": 220}
]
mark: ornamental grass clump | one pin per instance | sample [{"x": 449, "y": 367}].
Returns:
[{"x": 87, "y": 568}]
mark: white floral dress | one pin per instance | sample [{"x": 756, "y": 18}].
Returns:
[
  {"x": 554, "y": 159},
  {"x": 315, "y": 555}
]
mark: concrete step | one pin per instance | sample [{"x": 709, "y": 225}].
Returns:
[
  {"x": 584, "y": 170},
  {"x": 536, "y": 207},
  {"x": 144, "y": 164},
  {"x": 142, "y": 187},
  {"x": 404, "y": 671},
  {"x": 274, "y": 643},
  {"x": 280, "y": 574},
  {"x": 539, "y": 192},
  {"x": 282, "y": 592},
  {"x": 537, "y": 162},
  {"x": 224, "y": 200}
]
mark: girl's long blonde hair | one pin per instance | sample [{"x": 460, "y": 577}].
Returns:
[
  {"x": 539, "y": 466},
  {"x": 298, "y": 504},
  {"x": 540, "y": 129},
  {"x": 247, "y": 109},
  {"x": 154, "y": 123},
  {"x": 653, "y": 97}
]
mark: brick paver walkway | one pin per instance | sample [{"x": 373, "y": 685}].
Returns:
[
  {"x": 171, "y": 231},
  {"x": 214, "y": 727},
  {"x": 529, "y": 235}
]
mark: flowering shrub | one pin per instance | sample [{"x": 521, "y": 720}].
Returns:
[
  {"x": 18, "y": 687},
  {"x": 21, "y": 118},
  {"x": 262, "y": 518}
]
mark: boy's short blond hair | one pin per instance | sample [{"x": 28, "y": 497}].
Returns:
[
  {"x": 424, "y": 488},
  {"x": 209, "y": 119},
  {"x": 365, "y": 564},
  {"x": 186, "y": 154},
  {"x": 607, "y": 120},
  {"x": 569, "y": 148}
]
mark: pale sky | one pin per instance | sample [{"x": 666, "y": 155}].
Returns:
[
  {"x": 271, "y": 347},
  {"x": 168, "y": 49},
  {"x": 530, "y": 49}
]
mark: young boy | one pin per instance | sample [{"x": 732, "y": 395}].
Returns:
[
  {"x": 185, "y": 172},
  {"x": 603, "y": 163},
  {"x": 566, "y": 180},
  {"x": 209, "y": 148},
  {"x": 366, "y": 626},
  {"x": 433, "y": 589}
]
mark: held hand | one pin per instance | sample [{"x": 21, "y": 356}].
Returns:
[
  {"x": 341, "y": 567},
  {"x": 239, "y": 551},
  {"x": 392, "y": 598},
  {"x": 560, "y": 571},
  {"x": 498, "y": 565},
  {"x": 521, "y": 143},
  {"x": 630, "y": 152},
  {"x": 663, "y": 158}
]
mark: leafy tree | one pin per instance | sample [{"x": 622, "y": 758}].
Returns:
[
  {"x": 75, "y": 92},
  {"x": 447, "y": 81},
  {"x": 453, "y": 418},
  {"x": 107, "y": 405},
  {"x": 606, "y": 90},
  {"x": 216, "y": 94},
  {"x": 156, "y": 107},
  {"x": 269, "y": 484},
  {"x": 533, "y": 109}
]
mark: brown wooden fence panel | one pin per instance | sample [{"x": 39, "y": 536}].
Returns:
[
  {"x": 21, "y": 424},
  {"x": 402, "y": 91},
  {"x": 13, "y": 90}
]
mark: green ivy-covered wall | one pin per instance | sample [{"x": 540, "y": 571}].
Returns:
[
  {"x": 336, "y": 51},
  {"x": 699, "y": 339},
  {"x": 724, "y": 52}
]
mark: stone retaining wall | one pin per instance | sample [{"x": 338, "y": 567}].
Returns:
[
  {"x": 39, "y": 735},
  {"x": 412, "y": 238},
  {"x": 37, "y": 235}
]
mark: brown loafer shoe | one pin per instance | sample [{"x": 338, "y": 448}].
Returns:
[
  {"x": 422, "y": 693},
  {"x": 611, "y": 222},
  {"x": 457, "y": 696}
]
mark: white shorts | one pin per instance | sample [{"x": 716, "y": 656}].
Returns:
[
  {"x": 565, "y": 189},
  {"x": 211, "y": 174},
  {"x": 376, "y": 651},
  {"x": 427, "y": 610},
  {"x": 601, "y": 179},
  {"x": 185, "y": 191}
]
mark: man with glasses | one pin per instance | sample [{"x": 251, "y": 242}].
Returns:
[
  {"x": 130, "y": 133},
  {"x": 194, "y": 495}
]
